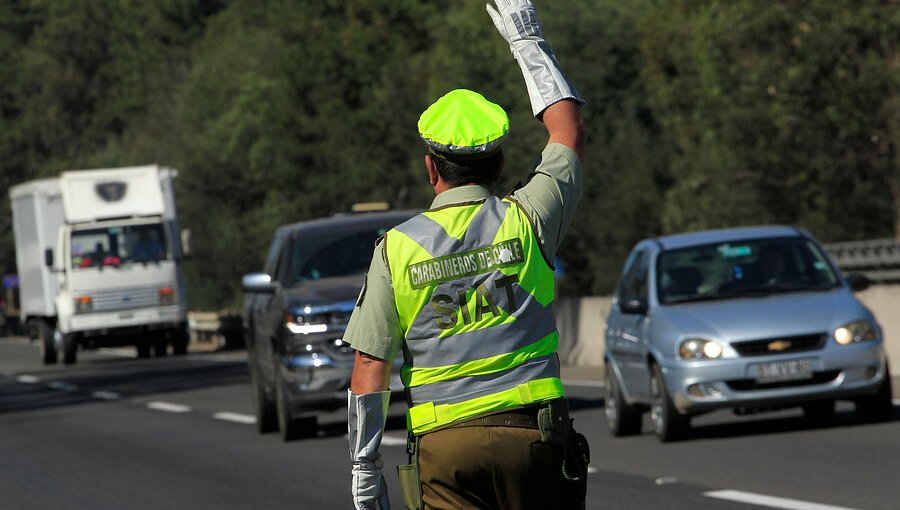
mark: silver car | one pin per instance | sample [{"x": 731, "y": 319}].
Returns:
[{"x": 747, "y": 318}]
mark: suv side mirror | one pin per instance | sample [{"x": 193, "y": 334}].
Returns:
[
  {"x": 858, "y": 282},
  {"x": 258, "y": 282},
  {"x": 634, "y": 306}
]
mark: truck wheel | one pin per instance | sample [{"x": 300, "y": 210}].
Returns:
[
  {"x": 70, "y": 348},
  {"x": 48, "y": 346},
  {"x": 621, "y": 418},
  {"x": 291, "y": 428},
  {"x": 161, "y": 347},
  {"x": 180, "y": 339},
  {"x": 668, "y": 423},
  {"x": 143, "y": 349}
]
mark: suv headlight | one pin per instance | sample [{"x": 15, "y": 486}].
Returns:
[
  {"x": 694, "y": 349},
  {"x": 856, "y": 331},
  {"x": 303, "y": 325}
]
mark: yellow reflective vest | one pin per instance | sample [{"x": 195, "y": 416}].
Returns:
[{"x": 474, "y": 297}]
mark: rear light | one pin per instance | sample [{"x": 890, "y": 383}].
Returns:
[
  {"x": 166, "y": 296},
  {"x": 84, "y": 304}
]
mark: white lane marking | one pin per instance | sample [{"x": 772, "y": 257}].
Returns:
[
  {"x": 28, "y": 379},
  {"x": 770, "y": 501},
  {"x": 236, "y": 418},
  {"x": 896, "y": 401},
  {"x": 120, "y": 352},
  {"x": 666, "y": 480},
  {"x": 169, "y": 407},
  {"x": 63, "y": 386},
  {"x": 592, "y": 469},
  {"x": 106, "y": 395}
]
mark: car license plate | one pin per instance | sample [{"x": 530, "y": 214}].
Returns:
[{"x": 784, "y": 371}]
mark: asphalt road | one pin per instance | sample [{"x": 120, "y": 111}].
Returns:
[{"x": 118, "y": 432}]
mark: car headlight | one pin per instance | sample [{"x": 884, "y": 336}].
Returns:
[
  {"x": 698, "y": 348},
  {"x": 302, "y": 326},
  {"x": 856, "y": 331}
]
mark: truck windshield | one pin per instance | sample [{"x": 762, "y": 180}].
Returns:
[
  {"x": 757, "y": 267},
  {"x": 115, "y": 246},
  {"x": 341, "y": 253}
]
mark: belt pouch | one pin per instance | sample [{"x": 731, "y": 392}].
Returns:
[{"x": 410, "y": 485}]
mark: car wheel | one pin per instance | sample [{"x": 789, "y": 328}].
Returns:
[
  {"x": 880, "y": 406},
  {"x": 70, "y": 348},
  {"x": 621, "y": 418},
  {"x": 668, "y": 423},
  {"x": 263, "y": 403},
  {"x": 819, "y": 411},
  {"x": 48, "y": 345},
  {"x": 291, "y": 428}
]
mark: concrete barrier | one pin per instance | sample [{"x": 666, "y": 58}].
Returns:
[{"x": 581, "y": 322}]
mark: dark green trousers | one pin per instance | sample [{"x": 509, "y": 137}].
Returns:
[{"x": 490, "y": 467}]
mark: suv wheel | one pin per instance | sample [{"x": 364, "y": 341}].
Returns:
[
  {"x": 263, "y": 403},
  {"x": 668, "y": 423},
  {"x": 291, "y": 428},
  {"x": 880, "y": 406},
  {"x": 621, "y": 418}
]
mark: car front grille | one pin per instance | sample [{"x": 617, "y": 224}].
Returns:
[
  {"x": 752, "y": 385},
  {"x": 782, "y": 345}
]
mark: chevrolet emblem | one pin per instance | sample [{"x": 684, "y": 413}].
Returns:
[{"x": 779, "y": 345}]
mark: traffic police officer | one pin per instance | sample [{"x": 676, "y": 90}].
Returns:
[{"x": 465, "y": 290}]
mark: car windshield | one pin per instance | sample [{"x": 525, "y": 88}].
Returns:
[
  {"x": 333, "y": 253},
  {"x": 115, "y": 246},
  {"x": 737, "y": 269}
]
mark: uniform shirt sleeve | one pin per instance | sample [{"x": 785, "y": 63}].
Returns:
[
  {"x": 549, "y": 198},
  {"x": 374, "y": 326}
]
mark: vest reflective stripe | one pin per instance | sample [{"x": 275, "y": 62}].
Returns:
[
  {"x": 466, "y": 388},
  {"x": 473, "y": 295},
  {"x": 471, "y": 343},
  {"x": 513, "y": 303},
  {"x": 425, "y": 417}
]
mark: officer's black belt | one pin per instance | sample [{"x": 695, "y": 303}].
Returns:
[{"x": 523, "y": 418}]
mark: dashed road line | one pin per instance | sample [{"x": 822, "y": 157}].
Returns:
[
  {"x": 168, "y": 407},
  {"x": 246, "y": 419},
  {"x": 106, "y": 395},
  {"x": 28, "y": 379},
  {"x": 770, "y": 501},
  {"x": 63, "y": 386}
]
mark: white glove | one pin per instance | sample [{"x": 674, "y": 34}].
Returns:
[
  {"x": 366, "y": 415},
  {"x": 517, "y": 22}
]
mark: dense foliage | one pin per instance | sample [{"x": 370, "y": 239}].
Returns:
[{"x": 701, "y": 113}]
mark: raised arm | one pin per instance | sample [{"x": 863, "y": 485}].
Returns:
[{"x": 553, "y": 97}]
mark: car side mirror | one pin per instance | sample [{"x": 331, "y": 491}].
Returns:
[
  {"x": 187, "y": 247},
  {"x": 634, "y": 306},
  {"x": 48, "y": 257},
  {"x": 858, "y": 282},
  {"x": 258, "y": 282}
]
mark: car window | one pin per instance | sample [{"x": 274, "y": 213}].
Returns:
[
  {"x": 332, "y": 253},
  {"x": 634, "y": 278},
  {"x": 724, "y": 270},
  {"x": 272, "y": 257}
]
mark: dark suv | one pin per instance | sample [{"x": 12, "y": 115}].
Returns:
[{"x": 296, "y": 312}]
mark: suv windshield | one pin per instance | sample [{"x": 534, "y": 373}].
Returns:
[
  {"x": 114, "y": 246},
  {"x": 735, "y": 269},
  {"x": 330, "y": 254}
]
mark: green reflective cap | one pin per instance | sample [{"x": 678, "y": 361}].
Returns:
[{"x": 463, "y": 123}]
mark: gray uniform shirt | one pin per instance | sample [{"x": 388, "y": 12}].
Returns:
[{"x": 549, "y": 199}]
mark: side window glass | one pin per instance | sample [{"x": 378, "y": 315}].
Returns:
[
  {"x": 274, "y": 253},
  {"x": 634, "y": 280}
]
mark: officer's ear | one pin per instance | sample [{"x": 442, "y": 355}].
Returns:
[{"x": 433, "y": 176}]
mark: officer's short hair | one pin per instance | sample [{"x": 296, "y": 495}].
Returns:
[{"x": 461, "y": 171}]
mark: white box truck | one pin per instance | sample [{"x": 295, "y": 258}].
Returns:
[{"x": 99, "y": 258}]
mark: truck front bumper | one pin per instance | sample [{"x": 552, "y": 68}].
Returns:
[{"x": 141, "y": 319}]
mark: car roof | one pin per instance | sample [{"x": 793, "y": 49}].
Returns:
[
  {"x": 724, "y": 235},
  {"x": 345, "y": 220}
]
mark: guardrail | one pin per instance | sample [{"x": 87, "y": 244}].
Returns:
[
  {"x": 222, "y": 329},
  {"x": 878, "y": 259}
]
